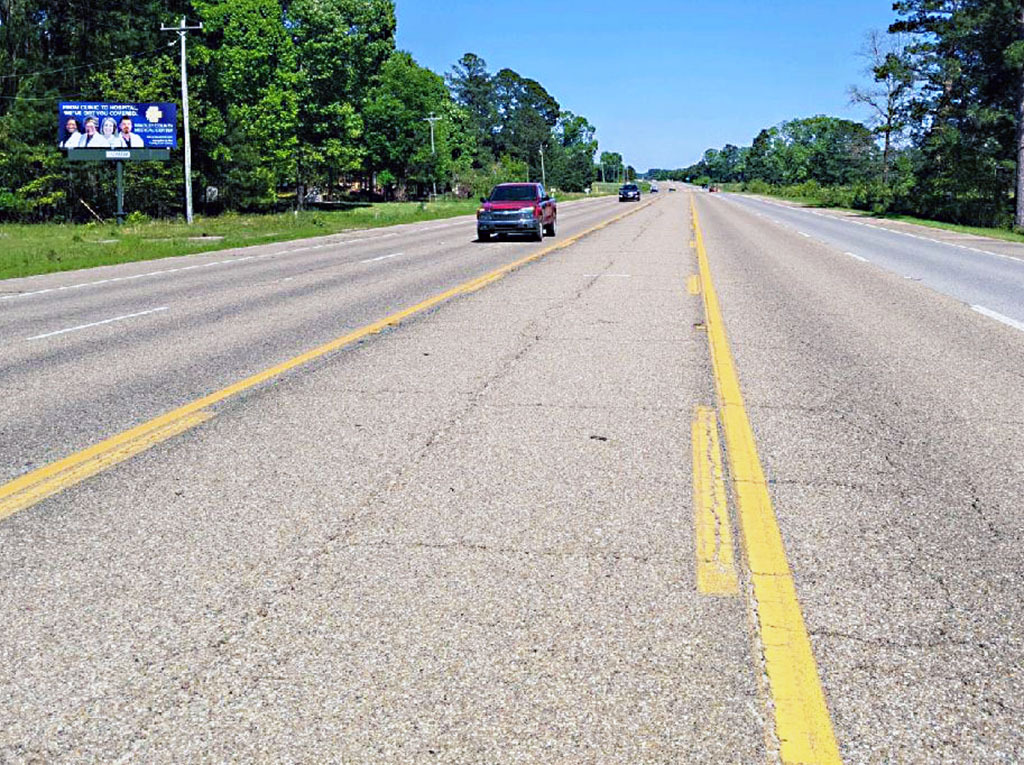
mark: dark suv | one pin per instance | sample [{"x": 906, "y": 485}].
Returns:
[{"x": 629, "y": 192}]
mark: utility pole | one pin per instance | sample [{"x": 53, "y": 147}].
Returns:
[
  {"x": 543, "y": 175},
  {"x": 183, "y": 30},
  {"x": 432, "y": 119}
]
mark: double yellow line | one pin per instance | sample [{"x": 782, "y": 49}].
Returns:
[
  {"x": 30, "y": 488},
  {"x": 802, "y": 722}
]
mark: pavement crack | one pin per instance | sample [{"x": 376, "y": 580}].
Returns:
[
  {"x": 513, "y": 550},
  {"x": 978, "y": 507},
  {"x": 943, "y": 641}
]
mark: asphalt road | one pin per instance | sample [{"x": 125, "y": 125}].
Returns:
[
  {"x": 889, "y": 417},
  {"x": 986, "y": 274},
  {"x": 481, "y": 536},
  {"x": 90, "y": 353}
]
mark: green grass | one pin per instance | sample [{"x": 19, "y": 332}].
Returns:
[
  {"x": 597, "y": 187},
  {"x": 30, "y": 249},
  {"x": 43, "y": 248},
  {"x": 994, "y": 233}
]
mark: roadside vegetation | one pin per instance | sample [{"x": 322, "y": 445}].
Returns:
[
  {"x": 292, "y": 103},
  {"x": 613, "y": 188},
  {"x": 945, "y": 101},
  {"x": 39, "y": 248},
  {"x": 841, "y": 199}
]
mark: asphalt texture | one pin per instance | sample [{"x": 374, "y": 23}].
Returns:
[
  {"x": 201, "y": 322},
  {"x": 471, "y": 538},
  {"x": 889, "y": 418},
  {"x": 982, "y": 272}
]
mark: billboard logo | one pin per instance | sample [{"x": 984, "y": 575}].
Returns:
[{"x": 101, "y": 125}]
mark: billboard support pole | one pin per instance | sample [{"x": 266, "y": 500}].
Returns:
[
  {"x": 183, "y": 31},
  {"x": 120, "y": 192}
]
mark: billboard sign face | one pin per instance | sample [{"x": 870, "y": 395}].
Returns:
[{"x": 95, "y": 125}]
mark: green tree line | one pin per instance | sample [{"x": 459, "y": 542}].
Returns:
[
  {"x": 290, "y": 100},
  {"x": 945, "y": 139}
]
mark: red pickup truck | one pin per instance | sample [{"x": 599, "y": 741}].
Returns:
[{"x": 516, "y": 208}]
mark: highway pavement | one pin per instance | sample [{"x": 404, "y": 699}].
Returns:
[
  {"x": 695, "y": 487},
  {"x": 986, "y": 274},
  {"x": 90, "y": 353},
  {"x": 889, "y": 417}
]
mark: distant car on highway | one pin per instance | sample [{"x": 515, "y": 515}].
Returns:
[
  {"x": 629, "y": 192},
  {"x": 654, "y": 188},
  {"x": 517, "y": 208}
]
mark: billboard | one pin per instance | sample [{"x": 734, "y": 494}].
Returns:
[{"x": 93, "y": 125}]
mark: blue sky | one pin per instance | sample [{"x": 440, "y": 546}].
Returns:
[{"x": 661, "y": 80}]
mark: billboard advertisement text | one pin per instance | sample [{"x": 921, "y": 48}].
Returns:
[{"x": 96, "y": 125}]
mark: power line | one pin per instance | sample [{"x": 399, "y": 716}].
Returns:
[
  {"x": 30, "y": 98},
  {"x": 91, "y": 65}
]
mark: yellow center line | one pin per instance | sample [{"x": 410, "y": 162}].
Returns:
[
  {"x": 716, "y": 568},
  {"x": 26, "y": 490},
  {"x": 50, "y": 482},
  {"x": 802, "y": 722}
]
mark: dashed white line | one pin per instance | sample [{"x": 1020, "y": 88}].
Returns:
[
  {"x": 382, "y": 257},
  {"x": 858, "y": 257},
  {"x": 894, "y": 231},
  {"x": 97, "y": 323},
  {"x": 804, "y": 234},
  {"x": 128, "y": 278},
  {"x": 998, "y": 317}
]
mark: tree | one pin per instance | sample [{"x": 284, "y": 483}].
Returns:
[
  {"x": 398, "y": 137},
  {"x": 340, "y": 45},
  {"x": 1015, "y": 58},
  {"x": 611, "y": 165},
  {"x": 253, "y": 84},
  {"x": 473, "y": 89},
  {"x": 572, "y": 166},
  {"x": 43, "y": 44},
  {"x": 527, "y": 114},
  {"x": 969, "y": 56},
  {"x": 890, "y": 68}
]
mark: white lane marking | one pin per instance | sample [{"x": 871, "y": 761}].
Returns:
[
  {"x": 98, "y": 323},
  {"x": 839, "y": 219},
  {"x": 804, "y": 234},
  {"x": 382, "y": 257},
  {"x": 111, "y": 280},
  {"x": 858, "y": 257},
  {"x": 998, "y": 317},
  {"x": 165, "y": 271},
  {"x": 227, "y": 262}
]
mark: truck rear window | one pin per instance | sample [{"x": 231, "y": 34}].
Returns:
[{"x": 513, "y": 193}]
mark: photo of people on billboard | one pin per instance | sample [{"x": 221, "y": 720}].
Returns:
[{"x": 93, "y": 125}]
